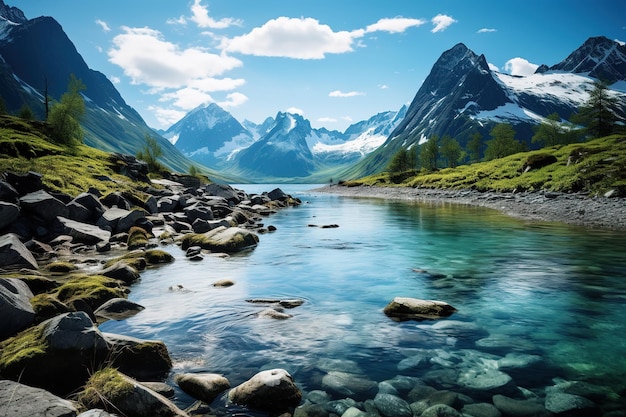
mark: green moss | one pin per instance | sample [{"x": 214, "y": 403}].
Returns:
[
  {"x": 140, "y": 259},
  {"x": 47, "y": 306},
  {"x": 105, "y": 388},
  {"x": 20, "y": 348},
  {"x": 92, "y": 289},
  {"x": 61, "y": 267}
]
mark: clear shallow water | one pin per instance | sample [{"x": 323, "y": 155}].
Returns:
[{"x": 521, "y": 288}]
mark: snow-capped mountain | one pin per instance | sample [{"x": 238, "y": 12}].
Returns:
[
  {"x": 461, "y": 96},
  {"x": 209, "y": 135},
  {"x": 258, "y": 131}
]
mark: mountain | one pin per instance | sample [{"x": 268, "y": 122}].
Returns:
[
  {"x": 282, "y": 152},
  {"x": 209, "y": 135},
  {"x": 258, "y": 131},
  {"x": 37, "y": 57},
  {"x": 461, "y": 96}
]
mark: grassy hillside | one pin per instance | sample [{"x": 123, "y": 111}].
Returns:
[
  {"x": 596, "y": 166},
  {"x": 24, "y": 146}
]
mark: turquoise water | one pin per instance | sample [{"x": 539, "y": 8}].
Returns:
[{"x": 545, "y": 291}]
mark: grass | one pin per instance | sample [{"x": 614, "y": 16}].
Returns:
[
  {"x": 594, "y": 167},
  {"x": 105, "y": 387},
  {"x": 17, "y": 349}
]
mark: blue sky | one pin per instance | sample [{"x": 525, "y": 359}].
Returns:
[{"x": 336, "y": 62}]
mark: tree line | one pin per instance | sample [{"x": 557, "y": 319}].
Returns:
[{"x": 597, "y": 117}]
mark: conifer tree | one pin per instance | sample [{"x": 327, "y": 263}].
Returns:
[
  {"x": 66, "y": 114},
  {"x": 502, "y": 142},
  {"x": 598, "y": 114}
]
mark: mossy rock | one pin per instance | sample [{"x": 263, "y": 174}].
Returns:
[
  {"x": 38, "y": 284},
  {"x": 140, "y": 259},
  {"x": 146, "y": 360},
  {"x": 222, "y": 239},
  {"x": 47, "y": 306},
  {"x": 137, "y": 238},
  {"x": 24, "y": 346},
  {"x": 94, "y": 290},
  {"x": 61, "y": 267},
  {"x": 105, "y": 388}
]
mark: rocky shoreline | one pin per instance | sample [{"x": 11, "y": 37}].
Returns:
[
  {"x": 67, "y": 264},
  {"x": 602, "y": 212}
]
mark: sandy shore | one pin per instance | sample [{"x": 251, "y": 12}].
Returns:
[{"x": 578, "y": 209}]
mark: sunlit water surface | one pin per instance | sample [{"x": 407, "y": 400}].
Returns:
[{"x": 532, "y": 288}]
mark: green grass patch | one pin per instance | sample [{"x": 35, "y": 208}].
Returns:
[
  {"x": 105, "y": 388},
  {"x": 22, "y": 347},
  {"x": 593, "y": 167}
]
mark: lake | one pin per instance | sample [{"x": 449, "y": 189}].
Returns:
[{"x": 540, "y": 306}]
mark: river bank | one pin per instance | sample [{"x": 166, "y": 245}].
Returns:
[{"x": 576, "y": 209}]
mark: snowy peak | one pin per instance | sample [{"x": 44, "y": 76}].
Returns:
[
  {"x": 598, "y": 57},
  {"x": 11, "y": 14}
]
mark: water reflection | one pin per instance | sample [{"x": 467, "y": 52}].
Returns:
[{"x": 525, "y": 288}]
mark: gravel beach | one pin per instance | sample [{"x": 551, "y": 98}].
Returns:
[{"x": 594, "y": 212}]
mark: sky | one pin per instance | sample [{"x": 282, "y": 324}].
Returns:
[{"x": 335, "y": 62}]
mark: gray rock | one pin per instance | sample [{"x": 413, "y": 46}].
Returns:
[
  {"x": 91, "y": 203},
  {"x": 277, "y": 194},
  {"x": 481, "y": 410},
  {"x": 18, "y": 400},
  {"x": 562, "y": 404},
  {"x": 73, "y": 331},
  {"x": 392, "y": 406},
  {"x": 118, "y": 309},
  {"x": 224, "y": 191},
  {"x": 122, "y": 272},
  {"x": 271, "y": 390},
  {"x": 440, "y": 410},
  {"x": 160, "y": 388},
  {"x": 15, "y": 308},
  {"x": 83, "y": 232},
  {"x": 405, "y": 308},
  {"x": 120, "y": 220},
  {"x": 232, "y": 239},
  {"x": 96, "y": 413},
  {"x": 349, "y": 385},
  {"x": 198, "y": 211},
  {"x": 485, "y": 380},
  {"x": 274, "y": 314},
  {"x": 43, "y": 205},
  {"x": 116, "y": 199},
  {"x": 519, "y": 408},
  {"x": 203, "y": 386},
  {"x": 8, "y": 213},
  {"x": 14, "y": 254},
  {"x": 139, "y": 358},
  {"x": 354, "y": 412}
]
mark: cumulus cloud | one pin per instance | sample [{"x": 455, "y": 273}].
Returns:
[
  {"x": 187, "y": 98},
  {"x": 327, "y": 120},
  {"x": 148, "y": 59},
  {"x": 114, "y": 79},
  {"x": 233, "y": 100},
  {"x": 105, "y": 27},
  {"x": 383, "y": 86},
  {"x": 394, "y": 25},
  {"x": 200, "y": 16},
  {"x": 166, "y": 116},
  {"x": 301, "y": 38},
  {"x": 520, "y": 66},
  {"x": 492, "y": 67},
  {"x": 180, "y": 21},
  {"x": 295, "y": 110},
  {"x": 441, "y": 22},
  {"x": 339, "y": 93},
  {"x": 486, "y": 30}
]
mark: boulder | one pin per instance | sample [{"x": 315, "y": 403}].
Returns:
[
  {"x": 519, "y": 408},
  {"x": 20, "y": 400},
  {"x": 139, "y": 358},
  {"x": 563, "y": 404},
  {"x": 440, "y": 410},
  {"x": 116, "y": 199},
  {"x": 391, "y": 406},
  {"x": 8, "y": 213},
  {"x": 96, "y": 412},
  {"x": 481, "y": 410},
  {"x": 204, "y": 386},
  {"x": 118, "y": 309},
  {"x": 404, "y": 308},
  {"x": 78, "y": 212},
  {"x": 115, "y": 392},
  {"x": 120, "y": 220},
  {"x": 83, "y": 232},
  {"x": 277, "y": 194},
  {"x": 8, "y": 193},
  {"x": 91, "y": 202},
  {"x": 271, "y": 390},
  {"x": 224, "y": 191},
  {"x": 121, "y": 271},
  {"x": 25, "y": 183},
  {"x": 198, "y": 211},
  {"x": 15, "y": 308},
  {"x": 43, "y": 206},
  {"x": 14, "y": 254},
  {"x": 347, "y": 384},
  {"x": 222, "y": 239}
]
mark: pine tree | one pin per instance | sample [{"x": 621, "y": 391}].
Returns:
[
  {"x": 552, "y": 132},
  {"x": 599, "y": 113}
]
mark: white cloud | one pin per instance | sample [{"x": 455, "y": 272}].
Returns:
[
  {"x": 346, "y": 118},
  {"x": 233, "y": 100},
  {"x": 201, "y": 18},
  {"x": 187, "y": 98},
  {"x": 166, "y": 117},
  {"x": 295, "y": 110},
  {"x": 441, "y": 22},
  {"x": 303, "y": 38},
  {"x": 180, "y": 21},
  {"x": 327, "y": 120},
  {"x": 486, "y": 30},
  {"x": 339, "y": 93},
  {"x": 383, "y": 86},
  {"x": 217, "y": 84},
  {"x": 105, "y": 27},
  {"x": 148, "y": 59},
  {"x": 114, "y": 79},
  {"x": 492, "y": 67},
  {"x": 520, "y": 66},
  {"x": 394, "y": 25}
]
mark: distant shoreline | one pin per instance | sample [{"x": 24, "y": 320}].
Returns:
[{"x": 576, "y": 209}]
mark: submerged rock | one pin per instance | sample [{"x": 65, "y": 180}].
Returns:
[
  {"x": 204, "y": 387},
  {"x": 392, "y": 406},
  {"x": 405, "y": 308},
  {"x": 349, "y": 385}
]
